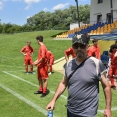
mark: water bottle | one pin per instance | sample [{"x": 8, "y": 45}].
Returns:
[{"x": 50, "y": 113}]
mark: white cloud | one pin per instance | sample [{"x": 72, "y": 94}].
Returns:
[
  {"x": 60, "y": 6},
  {"x": 45, "y": 9},
  {"x": 16, "y": 0},
  {"x": 26, "y": 8},
  {"x": 28, "y": 17},
  {"x": 1, "y": 5},
  {"x": 31, "y": 1}
]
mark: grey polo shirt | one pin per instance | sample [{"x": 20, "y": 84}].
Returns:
[{"x": 83, "y": 86}]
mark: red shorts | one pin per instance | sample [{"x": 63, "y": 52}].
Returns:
[
  {"x": 113, "y": 70},
  {"x": 28, "y": 61},
  {"x": 51, "y": 62},
  {"x": 42, "y": 72}
]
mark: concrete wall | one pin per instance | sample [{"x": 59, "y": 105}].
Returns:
[
  {"x": 102, "y": 8},
  {"x": 75, "y": 25},
  {"x": 107, "y": 44}
]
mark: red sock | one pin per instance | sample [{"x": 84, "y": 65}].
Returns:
[
  {"x": 112, "y": 81},
  {"x": 31, "y": 68},
  {"x": 44, "y": 90},
  {"x": 40, "y": 88},
  {"x": 50, "y": 68},
  {"x": 26, "y": 67}
]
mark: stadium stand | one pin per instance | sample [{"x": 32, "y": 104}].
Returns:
[{"x": 92, "y": 29}]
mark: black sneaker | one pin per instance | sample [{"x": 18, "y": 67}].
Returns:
[
  {"x": 38, "y": 92},
  {"x": 43, "y": 95},
  {"x": 32, "y": 72}
]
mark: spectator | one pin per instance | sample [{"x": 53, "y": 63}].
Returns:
[
  {"x": 83, "y": 87},
  {"x": 42, "y": 68},
  {"x": 113, "y": 65},
  {"x": 69, "y": 52},
  {"x": 94, "y": 50},
  {"x": 110, "y": 50},
  {"x": 27, "y": 51}
]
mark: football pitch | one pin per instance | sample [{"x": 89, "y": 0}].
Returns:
[{"x": 17, "y": 98}]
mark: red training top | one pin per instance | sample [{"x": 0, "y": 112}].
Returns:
[
  {"x": 27, "y": 50},
  {"x": 70, "y": 52},
  {"x": 94, "y": 51},
  {"x": 113, "y": 59},
  {"x": 42, "y": 53},
  {"x": 50, "y": 55}
]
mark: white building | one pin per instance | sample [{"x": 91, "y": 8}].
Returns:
[
  {"x": 101, "y": 11},
  {"x": 75, "y": 25}
]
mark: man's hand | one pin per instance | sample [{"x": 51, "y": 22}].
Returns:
[
  {"x": 50, "y": 106},
  {"x": 107, "y": 113}
]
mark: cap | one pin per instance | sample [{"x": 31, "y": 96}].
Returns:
[{"x": 83, "y": 39}]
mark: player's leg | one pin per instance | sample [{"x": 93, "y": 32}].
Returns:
[
  {"x": 44, "y": 73},
  {"x": 111, "y": 73},
  {"x": 40, "y": 89},
  {"x": 31, "y": 65},
  {"x": 116, "y": 76},
  {"x": 50, "y": 65},
  {"x": 26, "y": 64}
]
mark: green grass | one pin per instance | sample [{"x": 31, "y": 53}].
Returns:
[{"x": 13, "y": 77}]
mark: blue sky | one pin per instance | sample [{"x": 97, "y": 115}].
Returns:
[{"x": 17, "y": 11}]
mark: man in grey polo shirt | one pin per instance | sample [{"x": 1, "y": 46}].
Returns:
[{"x": 83, "y": 85}]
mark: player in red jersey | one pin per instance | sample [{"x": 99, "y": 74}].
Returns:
[
  {"x": 42, "y": 67},
  {"x": 50, "y": 57},
  {"x": 69, "y": 52},
  {"x": 113, "y": 66},
  {"x": 27, "y": 51},
  {"x": 94, "y": 50}
]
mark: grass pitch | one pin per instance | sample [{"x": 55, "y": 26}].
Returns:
[{"x": 17, "y": 89}]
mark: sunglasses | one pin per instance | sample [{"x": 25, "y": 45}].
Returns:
[{"x": 76, "y": 46}]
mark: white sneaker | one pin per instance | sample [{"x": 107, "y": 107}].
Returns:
[{"x": 50, "y": 73}]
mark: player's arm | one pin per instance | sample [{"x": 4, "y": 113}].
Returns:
[
  {"x": 32, "y": 51},
  {"x": 89, "y": 51},
  {"x": 98, "y": 54},
  {"x": 107, "y": 94},
  {"x": 66, "y": 56},
  {"x": 38, "y": 61},
  {"x": 60, "y": 89},
  {"x": 22, "y": 51}
]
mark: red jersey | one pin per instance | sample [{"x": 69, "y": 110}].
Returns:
[
  {"x": 50, "y": 55},
  {"x": 94, "y": 51},
  {"x": 70, "y": 52},
  {"x": 27, "y": 50},
  {"x": 113, "y": 59},
  {"x": 42, "y": 53}
]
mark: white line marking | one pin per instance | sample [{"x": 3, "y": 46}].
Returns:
[
  {"x": 101, "y": 111},
  {"x": 30, "y": 82},
  {"x": 25, "y": 100}
]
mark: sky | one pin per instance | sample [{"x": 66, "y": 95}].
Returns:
[{"x": 17, "y": 11}]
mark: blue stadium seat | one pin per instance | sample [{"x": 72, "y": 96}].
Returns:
[
  {"x": 104, "y": 59},
  {"x": 105, "y": 53}
]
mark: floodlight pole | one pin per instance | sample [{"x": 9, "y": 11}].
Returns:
[
  {"x": 77, "y": 12},
  {"x": 111, "y": 3}
]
